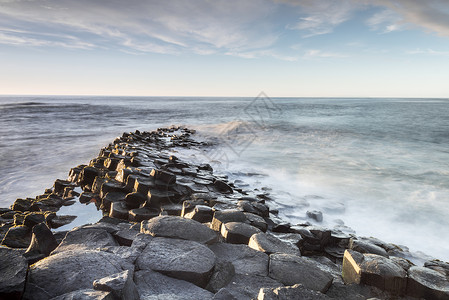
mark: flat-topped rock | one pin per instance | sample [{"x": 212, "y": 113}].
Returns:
[
  {"x": 248, "y": 286},
  {"x": 13, "y": 269},
  {"x": 270, "y": 244},
  {"x": 292, "y": 269},
  {"x": 152, "y": 285},
  {"x": 225, "y": 216},
  {"x": 86, "y": 238},
  {"x": 244, "y": 259},
  {"x": 70, "y": 271},
  {"x": 374, "y": 270},
  {"x": 177, "y": 227},
  {"x": 427, "y": 283},
  {"x": 121, "y": 285},
  {"x": 182, "y": 259},
  {"x": 142, "y": 214}
]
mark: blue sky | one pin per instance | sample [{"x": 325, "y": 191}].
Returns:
[{"x": 298, "y": 48}]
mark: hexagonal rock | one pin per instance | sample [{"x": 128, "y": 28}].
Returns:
[
  {"x": 121, "y": 285},
  {"x": 225, "y": 216},
  {"x": 177, "y": 227},
  {"x": 200, "y": 213},
  {"x": 374, "y": 270},
  {"x": 427, "y": 283},
  {"x": 270, "y": 244},
  {"x": 292, "y": 269},
  {"x": 238, "y": 233},
  {"x": 295, "y": 292},
  {"x": 70, "y": 271},
  {"x": 85, "y": 238},
  {"x": 256, "y": 221},
  {"x": 143, "y": 213},
  {"x": 154, "y": 285},
  {"x": 119, "y": 210},
  {"x": 13, "y": 269},
  {"x": 186, "y": 260},
  {"x": 244, "y": 259}
]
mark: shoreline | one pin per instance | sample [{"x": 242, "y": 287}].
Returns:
[{"x": 139, "y": 178}]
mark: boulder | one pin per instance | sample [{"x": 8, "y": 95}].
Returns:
[
  {"x": 59, "y": 221},
  {"x": 366, "y": 247},
  {"x": 13, "y": 270},
  {"x": 182, "y": 259},
  {"x": 270, "y": 244},
  {"x": 238, "y": 233},
  {"x": 226, "y": 216},
  {"x": 21, "y": 205},
  {"x": 177, "y": 227},
  {"x": 70, "y": 271},
  {"x": 284, "y": 268},
  {"x": 256, "y": 221},
  {"x": 43, "y": 241},
  {"x": 244, "y": 259},
  {"x": 32, "y": 219},
  {"x": 222, "y": 187},
  {"x": 315, "y": 215},
  {"x": 121, "y": 285},
  {"x": 154, "y": 285},
  {"x": 87, "y": 175},
  {"x": 200, "y": 213},
  {"x": 427, "y": 283},
  {"x": 374, "y": 270},
  {"x": 295, "y": 292},
  {"x": 17, "y": 237},
  {"x": 86, "y": 294},
  {"x": 224, "y": 271},
  {"x": 248, "y": 286},
  {"x": 84, "y": 239}
]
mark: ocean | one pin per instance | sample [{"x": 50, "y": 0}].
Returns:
[{"x": 374, "y": 167}]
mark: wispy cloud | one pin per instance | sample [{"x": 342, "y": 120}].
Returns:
[
  {"x": 385, "y": 21},
  {"x": 429, "y": 52},
  {"x": 315, "y": 53}
]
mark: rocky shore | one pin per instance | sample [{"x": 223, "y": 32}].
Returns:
[{"x": 172, "y": 229}]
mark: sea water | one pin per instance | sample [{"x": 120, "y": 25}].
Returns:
[{"x": 376, "y": 167}]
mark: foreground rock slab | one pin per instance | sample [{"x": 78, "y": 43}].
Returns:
[
  {"x": 295, "y": 292},
  {"x": 182, "y": 259},
  {"x": 427, "y": 283},
  {"x": 86, "y": 294},
  {"x": 121, "y": 285},
  {"x": 70, "y": 271},
  {"x": 180, "y": 228},
  {"x": 13, "y": 268},
  {"x": 153, "y": 285},
  {"x": 86, "y": 238}
]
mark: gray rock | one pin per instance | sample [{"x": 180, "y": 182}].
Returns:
[
  {"x": 224, "y": 294},
  {"x": 121, "y": 285},
  {"x": 86, "y": 238},
  {"x": 270, "y": 244},
  {"x": 182, "y": 259},
  {"x": 284, "y": 268},
  {"x": 248, "y": 286},
  {"x": 155, "y": 286},
  {"x": 244, "y": 259},
  {"x": 200, "y": 213},
  {"x": 295, "y": 292},
  {"x": 225, "y": 216},
  {"x": 17, "y": 237},
  {"x": 13, "y": 269},
  {"x": 42, "y": 240},
  {"x": 427, "y": 283},
  {"x": 70, "y": 271},
  {"x": 224, "y": 271},
  {"x": 32, "y": 219},
  {"x": 374, "y": 270},
  {"x": 177, "y": 227},
  {"x": 238, "y": 233},
  {"x": 59, "y": 221},
  {"x": 315, "y": 215},
  {"x": 143, "y": 213},
  {"x": 256, "y": 221},
  {"x": 125, "y": 237},
  {"x": 86, "y": 294},
  {"x": 222, "y": 187},
  {"x": 366, "y": 247}
]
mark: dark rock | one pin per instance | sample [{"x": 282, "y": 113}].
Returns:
[
  {"x": 141, "y": 214},
  {"x": 374, "y": 270},
  {"x": 122, "y": 175},
  {"x": 437, "y": 265},
  {"x": 182, "y": 259},
  {"x": 224, "y": 294},
  {"x": 366, "y": 247},
  {"x": 135, "y": 200},
  {"x": 238, "y": 233},
  {"x": 18, "y": 219},
  {"x": 17, "y": 237},
  {"x": 86, "y": 294},
  {"x": 159, "y": 197},
  {"x": 172, "y": 209},
  {"x": 254, "y": 208},
  {"x": 189, "y": 205},
  {"x": 222, "y": 187},
  {"x": 74, "y": 174},
  {"x": 119, "y": 211},
  {"x": 125, "y": 237},
  {"x": 21, "y": 205},
  {"x": 270, "y": 244},
  {"x": 32, "y": 219},
  {"x": 70, "y": 271},
  {"x": 111, "y": 197},
  {"x": 177, "y": 227},
  {"x": 226, "y": 216},
  {"x": 427, "y": 283},
  {"x": 244, "y": 259},
  {"x": 315, "y": 215},
  {"x": 153, "y": 285},
  {"x": 60, "y": 185},
  {"x": 143, "y": 184},
  {"x": 256, "y": 221},
  {"x": 295, "y": 292},
  {"x": 42, "y": 240},
  {"x": 224, "y": 271},
  {"x": 84, "y": 239},
  {"x": 284, "y": 268},
  {"x": 111, "y": 185},
  {"x": 87, "y": 197},
  {"x": 282, "y": 228},
  {"x": 121, "y": 285},
  {"x": 164, "y": 176},
  {"x": 201, "y": 213},
  {"x": 248, "y": 286},
  {"x": 59, "y": 221},
  {"x": 87, "y": 175},
  {"x": 13, "y": 269}
]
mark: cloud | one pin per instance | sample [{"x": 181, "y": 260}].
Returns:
[
  {"x": 385, "y": 21},
  {"x": 314, "y": 53},
  {"x": 429, "y": 52}
]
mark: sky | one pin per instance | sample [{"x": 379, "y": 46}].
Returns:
[{"x": 285, "y": 48}]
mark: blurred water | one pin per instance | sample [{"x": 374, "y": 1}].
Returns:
[{"x": 380, "y": 166}]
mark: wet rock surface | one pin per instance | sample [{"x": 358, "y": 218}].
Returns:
[{"x": 172, "y": 229}]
